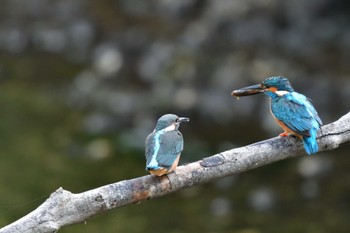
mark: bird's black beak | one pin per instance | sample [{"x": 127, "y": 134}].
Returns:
[
  {"x": 251, "y": 90},
  {"x": 183, "y": 119}
]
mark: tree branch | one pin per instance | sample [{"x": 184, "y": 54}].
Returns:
[{"x": 64, "y": 208}]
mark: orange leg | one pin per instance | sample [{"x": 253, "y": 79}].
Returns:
[{"x": 284, "y": 134}]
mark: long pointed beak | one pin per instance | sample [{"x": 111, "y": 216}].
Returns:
[
  {"x": 184, "y": 119},
  {"x": 251, "y": 90}
]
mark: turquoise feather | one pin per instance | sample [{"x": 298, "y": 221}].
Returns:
[{"x": 297, "y": 113}]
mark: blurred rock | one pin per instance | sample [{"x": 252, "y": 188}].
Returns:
[
  {"x": 220, "y": 207},
  {"x": 314, "y": 166},
  {"x": 217, "y": 10},
  {"x": 186, "y": 98},
  {"x": 85, "y": 83},
  {"x": 97, "y": 123},
  {"x": 13, "y": 40},
  {"x": 262, "y": 199},
  {"x": 81, "y": 34},
  {"x": 137, "y": 7},
  {"x": 175, "y": 9},
  {"x": 99, "y": 149},
  {"x": 49, "y": 39},
  {"x": 155, "y": 60},
  {"x": 196, "y": 34},
  {"x": 107, "y": 60}
]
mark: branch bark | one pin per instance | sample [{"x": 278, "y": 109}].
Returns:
[{"x": 64, "y": 208}]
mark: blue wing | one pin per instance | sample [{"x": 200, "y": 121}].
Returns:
[
  {"x": 150, "y": 149},
  {"x": 162, "y": 149},
  {"x": 171, "y": 145},
  {"x": 297, "y": 112}
]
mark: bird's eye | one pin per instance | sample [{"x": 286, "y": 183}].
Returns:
[
  {"x": 177, "y": 120},
  {"x": 264, "y": 85}
]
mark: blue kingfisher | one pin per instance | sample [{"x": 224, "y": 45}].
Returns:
[
  {"x": 164, "y": 145},
  {"x": 293, "y": 111}
]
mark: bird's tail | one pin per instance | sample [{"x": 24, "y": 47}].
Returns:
[{"x": 310, "y": 143}]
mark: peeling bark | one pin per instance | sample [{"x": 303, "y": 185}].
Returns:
[{"x": 64, "y": 208}]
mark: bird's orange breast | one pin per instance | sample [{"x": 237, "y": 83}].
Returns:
[
  {"x": 159, "y": 172},
  {"x": 175, "y": 163},
  {"x": 286, "y": 128},
  {"x": 163, "y": 171}
]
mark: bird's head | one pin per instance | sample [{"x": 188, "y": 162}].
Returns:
[
  {"x": 269, "y": 85},
  {"x": 170, "y": 122},
  {"x": 278, "y": 83}
]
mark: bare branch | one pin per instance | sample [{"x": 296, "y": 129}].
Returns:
[{"x": 64, "y": 208}]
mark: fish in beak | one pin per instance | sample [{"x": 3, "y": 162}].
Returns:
[{"x": 251, "y": 90}]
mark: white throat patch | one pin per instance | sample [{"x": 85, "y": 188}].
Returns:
[
  {"x": 281, "y": 93},
  {"x": 170, "y": 128}
]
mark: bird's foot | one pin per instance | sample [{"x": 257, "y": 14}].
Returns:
[{"x": 284, "y": 134}]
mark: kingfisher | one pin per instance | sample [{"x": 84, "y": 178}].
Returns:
[
  {"x": 164, "y": 145},
  {"x": 293, "y": 111}
]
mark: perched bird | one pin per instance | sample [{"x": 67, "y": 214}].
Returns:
[
  {"x": 292, "y": 110},
  {"x": 164, "y": 145}
]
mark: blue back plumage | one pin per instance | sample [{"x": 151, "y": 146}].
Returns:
[
  {"x": 298, "y": 114},
  {"x": 162, "y": 148},
  {"x": 165, "y": 144},
  {"x": 293, "y": 111}
]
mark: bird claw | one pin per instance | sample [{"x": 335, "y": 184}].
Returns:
[{"x": 284, "y": 134}]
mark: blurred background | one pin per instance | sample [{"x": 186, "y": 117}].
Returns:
[{"x": 82, "y": 83}]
